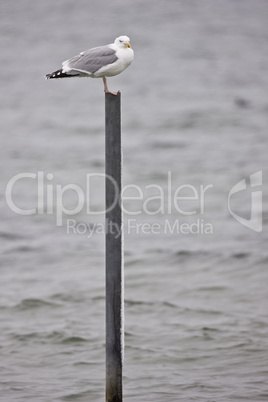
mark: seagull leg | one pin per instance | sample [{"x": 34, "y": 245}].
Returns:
[{"x": 106, "y": 90}]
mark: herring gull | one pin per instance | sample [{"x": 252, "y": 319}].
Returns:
[{"x": 98, "y": 62}]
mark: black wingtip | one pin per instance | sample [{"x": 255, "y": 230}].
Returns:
[
  {"x": 56, "y": 74},
  {"x": 60, "y": 74}
]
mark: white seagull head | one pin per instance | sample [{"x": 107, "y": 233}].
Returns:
[{"x": 122, "y": 41}]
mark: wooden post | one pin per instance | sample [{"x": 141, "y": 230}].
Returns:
[{"x": 114, "y": 250}]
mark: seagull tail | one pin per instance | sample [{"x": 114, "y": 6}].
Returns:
[{"x": 59, "y": 74}]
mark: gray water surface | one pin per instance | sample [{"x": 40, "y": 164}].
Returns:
[{"x": 194, "y": 114}]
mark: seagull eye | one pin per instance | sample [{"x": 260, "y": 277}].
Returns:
[{"x": 120, "y": 41}]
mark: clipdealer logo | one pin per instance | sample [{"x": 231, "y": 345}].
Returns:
[
  {"x": 255, "y": 220},
  {"x": 185, "y": 200}
]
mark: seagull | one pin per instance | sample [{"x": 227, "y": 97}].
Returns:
[{"x": 98, "y": 62}]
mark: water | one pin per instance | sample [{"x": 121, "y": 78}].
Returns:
[{"x": 194, "y": 113}]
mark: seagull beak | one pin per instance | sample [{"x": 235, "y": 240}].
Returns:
[{"x": 127, "y": 44}]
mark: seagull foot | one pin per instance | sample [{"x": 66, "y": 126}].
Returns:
[
  {"x": 106, "y": 90},
  {"x": 109, "y": 92}
]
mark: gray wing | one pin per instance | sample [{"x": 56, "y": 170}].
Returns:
[{"x": 92, "y": 60}]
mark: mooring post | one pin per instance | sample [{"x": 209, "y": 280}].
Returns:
[{"x": 114, "y": 249}]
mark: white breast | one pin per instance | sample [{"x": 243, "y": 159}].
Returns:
[{"x": 125, "y": 58}]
